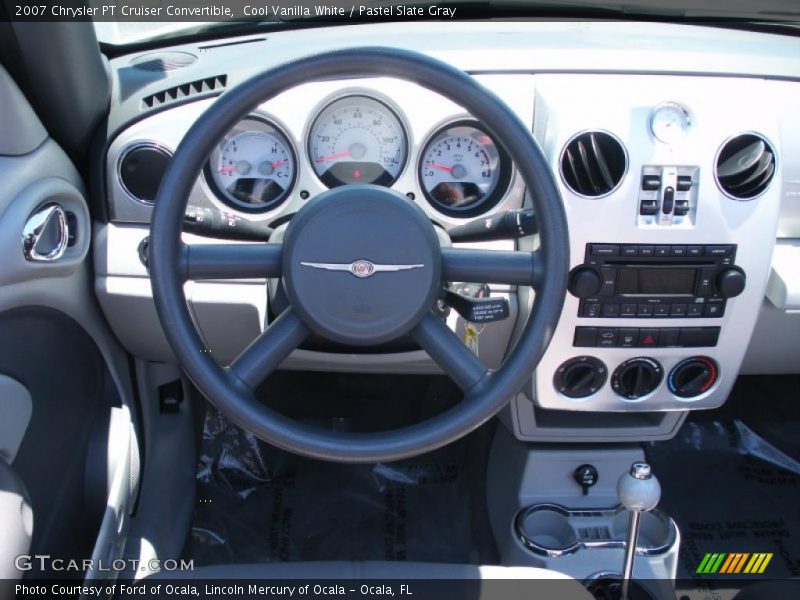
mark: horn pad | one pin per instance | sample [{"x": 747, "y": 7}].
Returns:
[{"x": 361, "y": 264}]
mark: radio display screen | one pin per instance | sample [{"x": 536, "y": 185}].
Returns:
[{"x": 655, "y": 281}]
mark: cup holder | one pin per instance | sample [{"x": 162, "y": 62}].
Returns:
[{"x": 553, "y": 530}]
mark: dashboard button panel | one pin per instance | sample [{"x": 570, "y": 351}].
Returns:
[{"x": 646, "y": 337}]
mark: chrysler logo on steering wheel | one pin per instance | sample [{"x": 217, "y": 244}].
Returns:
[{"x": 361, "y": 268}]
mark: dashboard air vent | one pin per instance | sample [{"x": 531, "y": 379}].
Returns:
[
  {"x": 745, "y": 166},
  {"x": 593, "y": 163},
  {"x": 163, "y": 61},
  {"x": 186, "y": 90},
  {"x": 141, "y": 168}
]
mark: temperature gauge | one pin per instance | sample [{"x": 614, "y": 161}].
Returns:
[
  {"x": 670, "y": 122},
  {"x": 253, "y": 168},
  {"x": 463, "y": 172}
]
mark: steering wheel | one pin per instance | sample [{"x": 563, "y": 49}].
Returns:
[{"x": 361, "y": 265}]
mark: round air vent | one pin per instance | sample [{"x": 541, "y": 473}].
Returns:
[
  {"x": 745, "y": 166},
  {"x": 141, "y": 169},
  {"x": 593, "y": 163},
  {"x": 163, "y": 61}
]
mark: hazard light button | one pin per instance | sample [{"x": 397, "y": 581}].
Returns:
[{"x": 648, "y": 338}]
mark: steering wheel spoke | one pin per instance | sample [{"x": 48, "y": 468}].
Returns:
[
  {"x": 491, "y": 266},
  {"x": 450, "y": 353},
  {"x": 231, "y": 261},
  {"x": 268, "y": 351}
]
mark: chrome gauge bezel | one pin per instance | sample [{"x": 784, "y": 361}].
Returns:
[
  {"x": 485, "y": 204},
  {"x": 683, "y": 131},
  {"x": 347, "y": 94},
  {"x": 266, "y": 124}
]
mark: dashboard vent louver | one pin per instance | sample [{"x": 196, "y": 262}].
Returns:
[
  {"x": 593, "y": 164},
  {"x": 745, "y": 166},
  {"x": 163, "y": 61},
  {"x": 186, "y": 90}
]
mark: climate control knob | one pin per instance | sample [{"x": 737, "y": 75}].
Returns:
[
  {"x": 580, "y": 377},
  {"x": 731, "y": 282},
  {"x": 585, "y": 282},
  {"x": 693, "y": 376},
  {"x": 637, "y": 377}
]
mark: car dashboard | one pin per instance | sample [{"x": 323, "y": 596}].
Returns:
[{"x": 675, "y": 149}]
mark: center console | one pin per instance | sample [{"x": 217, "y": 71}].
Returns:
[{"x": 672, "y": 217}]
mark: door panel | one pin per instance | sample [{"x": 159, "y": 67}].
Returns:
[{"x": 67, "y": 379}]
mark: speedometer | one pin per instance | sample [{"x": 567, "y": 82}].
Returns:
[
  {"x": 254, "y": 167},
  {"x": 462, "y": 171},
  {"x": 357, "y": 139}
]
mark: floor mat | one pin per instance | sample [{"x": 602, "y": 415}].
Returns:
[
  {"x": 731, "y": 491},
  {"x": 257, "y": 503}
]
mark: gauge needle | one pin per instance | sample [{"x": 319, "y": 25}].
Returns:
[
  {"x": 277, "y": 164},
  {"x": 434, "y": 165},
  {"x": 227, "y": 169},
  {"x": 333, "y": 156}
]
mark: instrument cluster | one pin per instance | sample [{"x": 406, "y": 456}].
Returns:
[{"x": 359, "y": 139}]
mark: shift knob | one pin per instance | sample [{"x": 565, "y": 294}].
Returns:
[{"x": 638, "y": 489}]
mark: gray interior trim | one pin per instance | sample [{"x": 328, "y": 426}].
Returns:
[
  {"x": 16, "y": 407},
  {"x": 21, "y": 131}
]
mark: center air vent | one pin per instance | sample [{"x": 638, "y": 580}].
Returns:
[
  {"x": 593, "y": 163},
  {"x": 745, "y": 166},
  {"x": 163, "y": 61}
]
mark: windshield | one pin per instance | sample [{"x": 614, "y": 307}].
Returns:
[{"x": 164, "y": 19}]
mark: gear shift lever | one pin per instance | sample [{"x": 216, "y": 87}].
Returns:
[{"x": 638, "y": 491}]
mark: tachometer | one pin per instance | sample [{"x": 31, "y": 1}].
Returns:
[
  {"x": 463, "y": 172},
  {"x": 357, "y": 139},
  {"x": 254, "y": 167}
]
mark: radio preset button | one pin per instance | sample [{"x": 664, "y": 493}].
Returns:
[
  {"x": 644, "y": 310},
  {"x": 610, "y": 310},
  {"x": 627, "y": 310},
  {"x": 677, "y": 310},
  {"x": 629, "y": 250},
  {"x": 646, "y": 250},
  {"x": 677, "y": 250},
  {"x": 661, "y": 310},
  {"x": 695, "y": 310}
]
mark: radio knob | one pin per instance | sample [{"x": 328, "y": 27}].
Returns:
[
  {"x": 731, "y": 282},
  {"x": 585, "y": 282}
]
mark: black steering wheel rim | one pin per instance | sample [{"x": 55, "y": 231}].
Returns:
[{"x": 486, "y": 394}]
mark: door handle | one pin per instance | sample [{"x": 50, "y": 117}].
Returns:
[{"x": 46, "y": 234}]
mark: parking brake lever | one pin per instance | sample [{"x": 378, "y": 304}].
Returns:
[{"x": 508, "y": 225}]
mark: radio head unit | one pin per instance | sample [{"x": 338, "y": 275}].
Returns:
[{"x": 656, "y": 281}]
